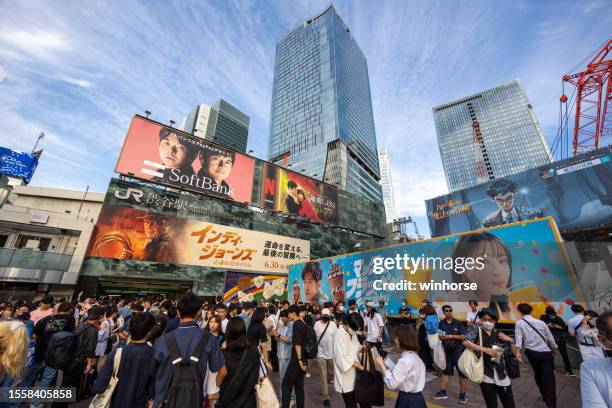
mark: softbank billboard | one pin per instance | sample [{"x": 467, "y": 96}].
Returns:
[{"x": 164, "y": 155}]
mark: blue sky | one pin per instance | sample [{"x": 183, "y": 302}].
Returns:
[{"x": 79, "y": 70}]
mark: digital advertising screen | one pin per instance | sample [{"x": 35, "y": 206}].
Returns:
[
  {"x": 168, "y": 156},
  {"x": 499, "y": 267},
  {"x": 129, "y": 233},
  {"x": 577, "y": 193},
  {"x": 298, "y": 195}
]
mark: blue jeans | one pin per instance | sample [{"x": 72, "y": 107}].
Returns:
[
  {"x": 48, "y": 374},
  {"x": 283, "y": 363}
]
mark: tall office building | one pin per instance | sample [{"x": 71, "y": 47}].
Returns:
[
  {"x": 321, "y": 116},
  {"x": 221, "y": 123},
  {"x": 489, "y": 135},
  {"x": 386, "y": 183}
]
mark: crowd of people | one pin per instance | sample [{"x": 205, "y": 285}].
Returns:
[{"x": 189, "y": 352}]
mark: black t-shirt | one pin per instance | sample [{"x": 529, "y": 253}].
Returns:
[
  {"x": 256, "y": 334},
  {"x": 557, "y": 333},
  {"x": 298, "y": 339},
  {"x": 47, "y": 327}
]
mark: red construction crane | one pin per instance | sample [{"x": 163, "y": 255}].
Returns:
[{"x": 593, "y": 101}]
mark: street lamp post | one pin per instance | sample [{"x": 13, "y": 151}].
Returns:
[{"x": 41, "y": 135}]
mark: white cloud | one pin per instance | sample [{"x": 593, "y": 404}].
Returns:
[{"x": 35, "y": 43}]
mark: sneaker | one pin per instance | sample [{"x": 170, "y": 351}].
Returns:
[
  {"x": 327, "y": 404},
  {"x": 462, "y": 398},
  {"x": 307, "y": 375},
  {"x": 440, "y": 395}
]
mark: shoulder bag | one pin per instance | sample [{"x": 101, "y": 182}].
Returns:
[
  {"x": 104, "y": 400},
  {"x": 264, "y": 391},
  {"x": 470, "y": 365},
  {"x": 369, "y": 383}
]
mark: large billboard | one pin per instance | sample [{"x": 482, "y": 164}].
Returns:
[
  {"x": 298, "y": 195},
  {"x": 576, "y": 192},
  {"x": 129, "y": 233},
  {"x": 248, "y": 287},
  {"x": 522, "y": 262},
  {"x": 17, "y": 164},
  {"x": 168, "y": 156}
]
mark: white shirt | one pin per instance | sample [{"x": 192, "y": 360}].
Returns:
[
  {"x": 373, "y": 326},
  {"x": 526, "y": 337},
  {"x": 574, "y": 323},
  {"x": 408, "y": 375},
  {"x": 471, "y": 316},
  {"x": 224, "y": 324},
  {"x": 596, "y": 383},
  {"x": 326, "y": 346},
  {"x": 346, "y": 352}
]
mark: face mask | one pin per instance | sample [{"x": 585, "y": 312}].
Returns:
[
  {"x": 341, "y": 308},
  {"x": 488, "y": 325},
  {"x": 403, "y": 303},
  {"x": 325, "y": 318}
]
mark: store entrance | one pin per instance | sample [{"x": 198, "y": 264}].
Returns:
[{"x": 142, "y": 287}]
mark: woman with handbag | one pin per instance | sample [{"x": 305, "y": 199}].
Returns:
[
  {"x": 346, "y": 358},
  {"x": 498, "y": 369},
  {"x": 408, "y": 374},
  {"x": 238, "y": 378}
]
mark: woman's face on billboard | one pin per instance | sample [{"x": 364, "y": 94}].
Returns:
[
  {"x": 494, "y": 277},
  {"x": 218, "y": 166},
  {"x": 172, "y": 152}
]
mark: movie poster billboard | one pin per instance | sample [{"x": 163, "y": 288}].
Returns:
[
  {"x": 523, "y": 262},
  {"x": 168, "y": 156},
  {"x": 576, "y": 192},
  {"x": 17, "y": 164},
  {"x": 129, "y": 233},
  {"x": 295, "y": 194},
  {"x": 248, "y": 287}
]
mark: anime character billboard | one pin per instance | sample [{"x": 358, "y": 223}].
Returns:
[
  {"x": 510, "y": 264},
  {"x": 576, "y": 192},
  {"x": 168, "y": 156},
  {"x": 299, "y": 195}
]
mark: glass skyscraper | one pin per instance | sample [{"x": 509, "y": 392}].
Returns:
[
  {"x": 321, "y": 115},
  {"x": 489, "y": 135},
  {"x": 386, "y": 183},
  {"x": 221, "y": 123}
]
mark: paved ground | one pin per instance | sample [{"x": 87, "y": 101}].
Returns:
[{"x": 526, "y": 394}]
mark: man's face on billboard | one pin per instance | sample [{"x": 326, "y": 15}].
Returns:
[
  {"x": 172, "y": 152},
  {"x": 505, "y": 201},
  {"x": 217, "y": 166},
  {"x": 311, "y": 288},
  {"x": 154, "y": 228}
]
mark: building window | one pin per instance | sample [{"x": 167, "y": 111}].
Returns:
[
  {"x": 43, "y": 243},
  {"x": 3, "y": 239}
]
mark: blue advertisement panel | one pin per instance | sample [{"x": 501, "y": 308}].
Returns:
[
  {"x": 522, "y": 262},
  {"x": 576, "y": 192},
  {"x": 17, "y": 164}
]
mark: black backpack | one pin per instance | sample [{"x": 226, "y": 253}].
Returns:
[
  {"x": 60, "y": 350},
  {"x": 310, "y": 348},
  {"x": 184, "y": 388}
]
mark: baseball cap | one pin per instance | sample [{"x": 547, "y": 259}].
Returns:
[
  {"x": 370, "y": 304},
  {"x": 325, "y": 312}
]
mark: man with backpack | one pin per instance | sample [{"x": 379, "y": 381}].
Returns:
[
  {"x": 304, "y": 347},
  {"x": 326, "y": 331},
  {"x": 84, "y": 343},
  {"x": 182, "y": 358},
  {"x": 43, "y": 332}
]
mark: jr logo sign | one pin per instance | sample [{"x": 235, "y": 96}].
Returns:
[{"x": 130, "y": 192}]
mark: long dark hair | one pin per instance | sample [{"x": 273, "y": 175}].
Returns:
[
  {"x": 235, "y": 334},
  {"x": 217, "y": 318},
  {"x": 465, "y": 248},
  {"x": 258, "y": 315}
]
